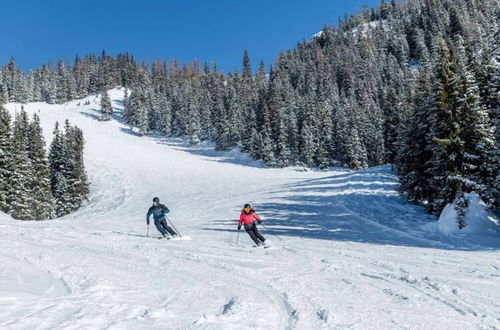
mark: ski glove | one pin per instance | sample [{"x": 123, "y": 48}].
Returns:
[
  {"x": 259, "y": 221},
  {"x": 239, "y": 227}
]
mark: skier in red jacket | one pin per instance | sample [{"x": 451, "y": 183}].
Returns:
[{"x": 247, "y": 218}]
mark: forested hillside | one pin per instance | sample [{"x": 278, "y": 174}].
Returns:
[{"x": 412, "y": 83}]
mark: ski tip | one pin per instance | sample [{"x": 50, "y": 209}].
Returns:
[{"x": 183, "y": 238}]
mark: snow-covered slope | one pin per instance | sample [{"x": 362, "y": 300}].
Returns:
[{"x": 352, "y": 254}]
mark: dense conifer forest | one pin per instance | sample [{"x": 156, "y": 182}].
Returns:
[
  {"x": 32, "y": 185},
  {"x": 413, "y": 83}
]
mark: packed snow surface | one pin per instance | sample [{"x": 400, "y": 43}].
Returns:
[{"x": 352, "y": 254}]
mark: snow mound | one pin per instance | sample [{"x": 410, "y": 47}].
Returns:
[{"x": 479, "y": 220}]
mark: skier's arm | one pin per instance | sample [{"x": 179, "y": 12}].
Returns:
[
  {"x": 165, "y": 209},
  {"x": 240, "y": 221},
  {"x": 149, "y": 214},
  {"x": 256, "y": 216}
]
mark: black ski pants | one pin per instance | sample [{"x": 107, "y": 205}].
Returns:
[
  {"x": 163, "y": 228},
  {"x": 254, "y": 233}
]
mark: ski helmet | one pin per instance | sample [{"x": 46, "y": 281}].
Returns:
[
  {"x": 247, "y": 206},
  {"x": 156, "y": 200}
]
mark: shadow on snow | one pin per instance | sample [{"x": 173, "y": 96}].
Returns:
[
  {"x": 205, "y": 149},
  {"x": 361, "y": 206},
  {"x": 358, "y": 206}
]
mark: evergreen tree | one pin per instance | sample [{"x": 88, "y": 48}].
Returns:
[
  {"x": 223, "y": 137},
  {"x": 415, "y": 146},
  {"x": 477, "y": 133},
  {"x": 141, "y": 111},
  {"x": 247, "y": 69},
  {"x": 194, "y": 129},
  {"x": 21, "y": 194},
  {"x": 308, "y": 143},
  {"x": 352, "y": 151},
  {"x": 326, "y": 143},
  {"x": 5, "y": 157},
  {"x": 43, "y": 203},
  {"x": 106, "y": 108},
  {"x": 267, "y": 150},
  {"x": 62, "y": 83},
  {"x": 58, "y": 159},
  {"x": 76, "y": 177},
  {"x": 61, "y": 195},
  {"x": 445, "y": 169},
  {"x": 392, "y": 110},
  {"x": 490, "y": 96}
]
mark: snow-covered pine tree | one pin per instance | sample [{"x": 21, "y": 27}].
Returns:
[
  {"x": 194, "y": 126},
  {"x": 494, "y": 108},
  {"x": 447, "y": 162},
  {"x": 268, "y": 155},
  {"x": 352, "y": 151},
  {"x": 443, "y": 168},
  {"x": 234, "y": 105},
  {"x": 20, "y": 197},
  {"x": 477, "y": 132},
  {"x": 279, "y": 93},
  {"x": 5, "y": 157},
  {"x": 43, "y": 202},
  {"x": 207, "y": 127},
  {"x": 106, "y": 107},
  {"x": 392, "y": 111},
  {"x": 62, "y": 83},
  {"x": 70, "y": 82},
  {"x": 308, "y": 143},
  {"x": 50, "y": 84},
  {"x": 61, "y": 194},
  {"x": 415, "y": 145},
  {"x": 165, "y": 116},
  {"x": 223, "y": 135},
  {"x": 141, "y": 112},
  {"x": 129, "y": 108},
  {"x": 125, "y": 99},
  {"x": 58, "y": 159},
  {"x": 76, "y": 178},
  {"x": 326, "y": 144},
  {"x": 248, "y": 95},
  {"x": 247, "y": 68}
]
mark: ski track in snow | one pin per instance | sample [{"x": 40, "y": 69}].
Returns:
[{"x": 353, "y": 254}]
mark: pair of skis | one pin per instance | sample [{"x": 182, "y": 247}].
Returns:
[{"x": 262, "y": 245}]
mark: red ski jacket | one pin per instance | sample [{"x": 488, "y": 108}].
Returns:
[{"x": 248, "y": 218}]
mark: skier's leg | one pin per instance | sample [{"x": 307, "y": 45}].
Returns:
[
  {"x": 160, "y": 228},
  {"x": 250, "y": 232},
  {"x": 256, "y": 233},
  {"x": 170, "y": 230},
  {"x": 166, "y": 228}
]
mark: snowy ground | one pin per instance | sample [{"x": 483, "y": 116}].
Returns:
[{"x": 353, "y": 254}]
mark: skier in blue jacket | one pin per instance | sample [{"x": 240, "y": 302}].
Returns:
[{"x": 158, "y": 211}]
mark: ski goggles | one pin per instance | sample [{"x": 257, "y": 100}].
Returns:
[{"x": 247, "y": 208}]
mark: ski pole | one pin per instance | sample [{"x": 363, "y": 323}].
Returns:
[
  {"x": 174, "y": 226},
  {"x": 271, "y": 232},
  {"x": 238, "y": 237},
  {"x": 147, "y": 233}
]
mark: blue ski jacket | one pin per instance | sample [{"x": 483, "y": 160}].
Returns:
[{"x": 158, "y": 212}]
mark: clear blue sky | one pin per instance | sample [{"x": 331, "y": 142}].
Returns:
[{"x": 34, "y": 31}]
